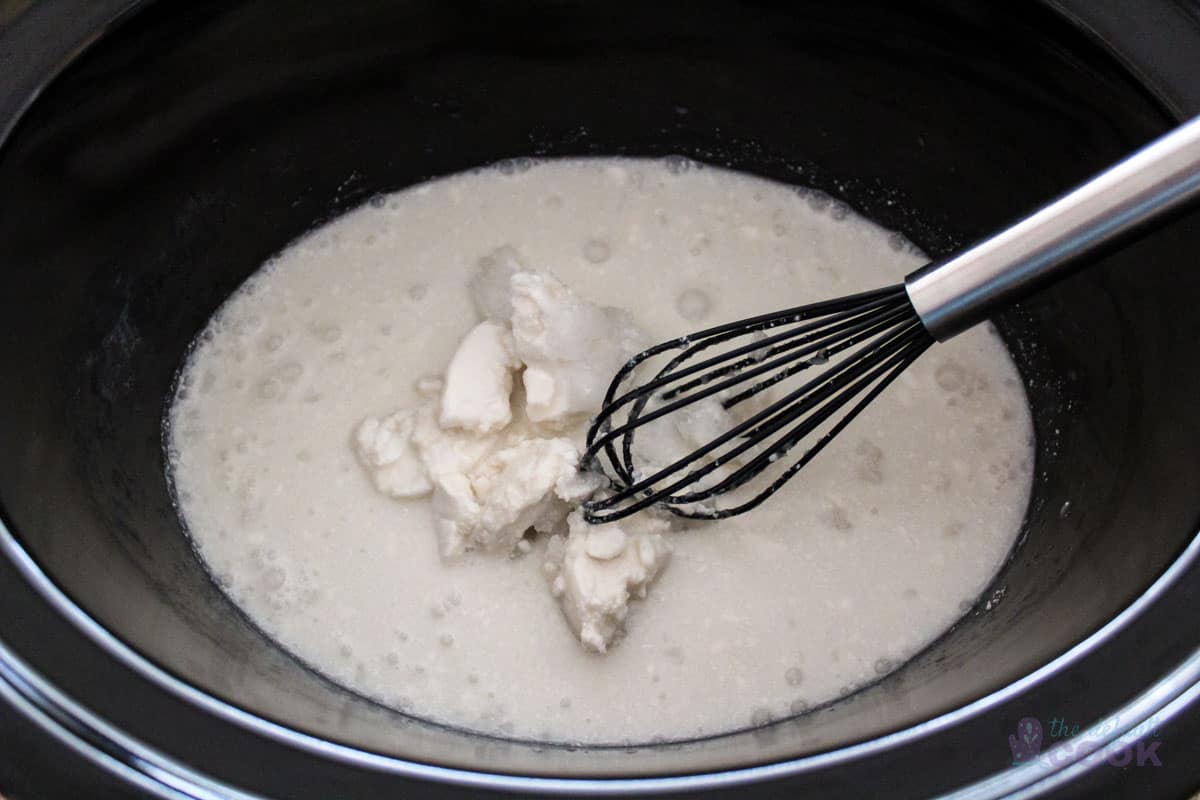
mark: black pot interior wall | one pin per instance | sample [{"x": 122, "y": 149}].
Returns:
[{"x": 181, "y": 152}]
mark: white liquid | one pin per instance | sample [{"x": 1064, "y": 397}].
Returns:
[{"x": 857, "y": 564}]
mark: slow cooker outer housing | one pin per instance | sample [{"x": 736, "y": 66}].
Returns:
[{"x": 88, "y": 162}]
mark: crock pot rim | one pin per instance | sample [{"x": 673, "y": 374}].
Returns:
[{"x": 1182, "y": 680}]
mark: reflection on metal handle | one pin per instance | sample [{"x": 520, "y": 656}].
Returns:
[{"x": 954, "y": 294}]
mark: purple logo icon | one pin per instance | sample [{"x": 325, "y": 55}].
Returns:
[{"x": 1026, "y": 743}]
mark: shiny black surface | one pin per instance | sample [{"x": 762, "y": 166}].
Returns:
[{"x": 171, "y": 160}]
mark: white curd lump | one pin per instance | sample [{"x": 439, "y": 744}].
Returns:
[{"x": 375, "y": 447}]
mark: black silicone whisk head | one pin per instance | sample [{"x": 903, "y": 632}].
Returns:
[{"x": 768, "y": 385}]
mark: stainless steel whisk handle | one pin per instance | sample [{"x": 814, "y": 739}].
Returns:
[{"x": 956, "y": 293}]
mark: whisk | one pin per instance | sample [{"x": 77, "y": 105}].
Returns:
[{"x": 815, "y": 367}]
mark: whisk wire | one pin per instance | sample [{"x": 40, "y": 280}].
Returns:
[
  {"x": 720, "y": 333},
  {"x": 880, "y": 324},
  {"x": 900, "y": 365},
  {"x": 764, "y": 423},
  {"x": 808, "y": 424},
  {"x": 784, "y": 413},
  {"x": 827, "y": 347},
  {"x": 600, "y": 434},
  {"x": 757, "y": 352}
]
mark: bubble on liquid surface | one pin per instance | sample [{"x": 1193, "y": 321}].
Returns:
[
  {"x": 428, "y": 386},
  {"x": 513, "y": 166},
  {"x": 761, "y": 717},
  {"x": 597, "y": 251},
  {"x": 950, "y": 377},
  {"x": 693, "y": 305},
  {"x": 290, "y": 372},
  {"x": 328, "y": 332},
  {"x": 677, "y": 165},
  {"x": 818, "y": 200},
  {"x": 248, "y": 325},
  {"x": 273, "y": 579},
  {"x": 870, "y": 465},
  {"x": 270, "y": 389},
  {"x": 836, "y": 517}
]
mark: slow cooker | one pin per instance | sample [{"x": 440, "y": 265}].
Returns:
[{"x": 155, "y": 154}]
